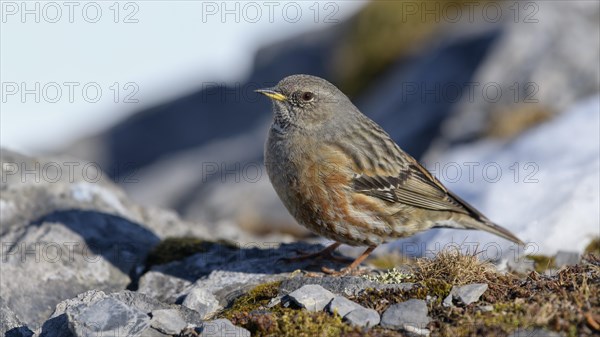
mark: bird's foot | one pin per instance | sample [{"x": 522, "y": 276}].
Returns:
[{"x": 352, "y": 269}]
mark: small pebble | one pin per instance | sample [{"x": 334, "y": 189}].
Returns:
[
  {"x": 363, "y": 317},
  {"x": 342, "y": 306},
  {"x": 312, "y": 297},
  {"x": 466, "y": 294},
  {"x": 485, "y": 308},
  {"x": 167, "y": 321},
  {"x": 409, "y": 316}
]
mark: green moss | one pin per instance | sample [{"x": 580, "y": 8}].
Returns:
[
  {"x": 593, "y": 247},
  {"x": 438, "y": 288},
  {"x": 542, "y": 262},
  {"x": 256, "y": 299},
  {"x": 301, "y": 323},
  {"x": 177, "y": 248},
  {"x": 304, "y": 323},
  {"x": 250, "y": 312}
]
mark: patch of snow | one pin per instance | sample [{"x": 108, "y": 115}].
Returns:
[{"x": 543, "y": 186}]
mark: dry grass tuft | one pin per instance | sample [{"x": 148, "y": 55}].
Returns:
[{"x": 453, "y": 267}]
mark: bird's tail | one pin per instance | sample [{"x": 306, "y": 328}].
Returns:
[
  {"x": 486, "y": 225},
  {"x": 481, "y": 222}
]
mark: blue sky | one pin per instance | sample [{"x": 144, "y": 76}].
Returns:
[{"x": 91, "y": 64}]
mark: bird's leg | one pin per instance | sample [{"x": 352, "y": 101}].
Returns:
[
  {"x": 352, "y": 266},
  {"x": 325, "y": 253}
]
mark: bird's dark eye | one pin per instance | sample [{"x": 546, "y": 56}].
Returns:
[{"x": 307, "y": 96}]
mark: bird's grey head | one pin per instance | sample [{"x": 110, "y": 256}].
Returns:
[{"x": 306, "y": 102}]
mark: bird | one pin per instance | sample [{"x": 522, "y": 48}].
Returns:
[{"x": 340, "y": 175}]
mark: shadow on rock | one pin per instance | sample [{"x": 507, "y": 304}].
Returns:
[
  {"x": 122, "y": 242},
  {"x": 256, "y": 258}
]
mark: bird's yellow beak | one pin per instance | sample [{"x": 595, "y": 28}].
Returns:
[{"x": 272, "y": 94}]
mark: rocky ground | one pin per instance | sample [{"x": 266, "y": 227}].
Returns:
[{"x": 80, "y": 259}]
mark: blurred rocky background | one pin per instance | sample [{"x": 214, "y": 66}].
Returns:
[
  {"x": 469, "y": 83},
  {"x": 500, "y": 100}
]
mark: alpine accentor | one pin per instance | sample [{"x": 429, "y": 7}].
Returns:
[{"x": 341, "y": 175}]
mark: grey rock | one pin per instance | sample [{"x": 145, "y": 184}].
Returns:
[
  {"x": 26, "y": 198},
  {"x": 148, "y": 304},
  {"x": 57, "y": 325},
  {"x": 87, "y": 251},
  {"x": 342, "y": 306},
  {"x": 535, "y": 332},
  {"x": 142, "y": 302},
  {"x": 564, "y": 258},
  {"x": 447, "y": 302},
  {"x": 470, "y": 293},
  {"x": 151, "y": 332},
  {"x": 213, "y": 292},
  {"x": 106, "y": 317},
  {"x": 163, "y": 287},
  {"x": 409, "y": 316},
  {"x": 311, "y": 297},
  {"x": 10, "y": 324},
  {"x": 202, "y": 301},
  {"x": 221, "y": 328},
  {"x": 466, "y": 294},
  {"x": 167, "y": 321},
  {"x": 345, "y": 286},
  {"x": 66, "y": 235},
  {"x": 363, "y": 317}
]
